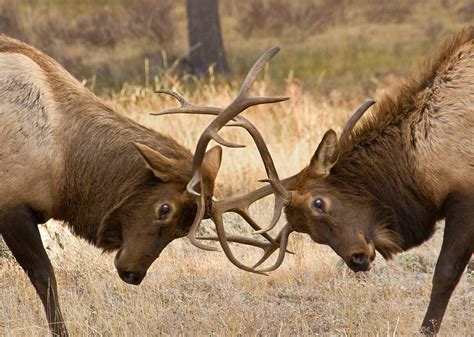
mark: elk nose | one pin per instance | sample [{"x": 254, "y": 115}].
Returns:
[
  {"x": 130, "y": 277},
  {"x": 360, "y": 262}
]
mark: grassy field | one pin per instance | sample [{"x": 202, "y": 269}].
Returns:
[
  {"x": 195, "y": 293},
  {"x": 192, "y": 292}
]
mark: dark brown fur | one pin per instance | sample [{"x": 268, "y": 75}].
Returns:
[{"x": 399, "y": 172}]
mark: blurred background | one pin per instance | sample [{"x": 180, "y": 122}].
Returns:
[{"x": 347, "y": 46}]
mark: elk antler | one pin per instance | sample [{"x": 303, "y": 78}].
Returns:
[
  {"x": 355, "y": 118},
  {"x": 240, "y": 204}
]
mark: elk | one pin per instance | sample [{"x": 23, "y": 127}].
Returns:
[
  {"x": 66, "y": 155},
  {"x": 383, "y": 185}
]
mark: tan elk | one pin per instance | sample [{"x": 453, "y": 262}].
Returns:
[
  {"x": 383, "y": 185},
  {"x": 66, "y": 155}
]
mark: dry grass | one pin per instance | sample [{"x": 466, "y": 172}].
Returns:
[{"x": 197, "y": 293}]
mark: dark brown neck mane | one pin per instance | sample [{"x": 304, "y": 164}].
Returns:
[
  {"x": 378, "y": 160},
  {"x": 380, "y": 168},
  {"x": 102, "y": 166}
]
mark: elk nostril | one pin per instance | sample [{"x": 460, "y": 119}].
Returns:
[
  {"x": 359, "y": 259},
  {"x": 129, "y": 277}
]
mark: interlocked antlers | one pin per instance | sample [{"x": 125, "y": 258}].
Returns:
[{"x": 239, "y": 205}]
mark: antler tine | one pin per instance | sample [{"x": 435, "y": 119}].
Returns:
[
  {"x": 270, "y": 250},
  {"x": 256, "y": 69},
  {"x": 172, "y": 93},
  {"x": 239, "y": 239},
  {"x": 355, "y": 118},
  {"x": 186, "y": 107},
  {"x": 277, "y": 210},
  {"x": 201, "y": 210},
  {"x": 283, "y": 237},
  {"x": 221, "y": 235}
]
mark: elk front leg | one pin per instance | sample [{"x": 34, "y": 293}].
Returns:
[
  {"x": 457, "y": 248},
  {"x": 19, "y": 228}
]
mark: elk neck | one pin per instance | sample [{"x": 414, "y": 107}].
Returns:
[
  {"x": 396, "y": 154},
  {"x": 379, "y": 161}
]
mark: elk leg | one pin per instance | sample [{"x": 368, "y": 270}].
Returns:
[
  {"x": 456, "y": 251},
  {"x": 19, "y": 228}
]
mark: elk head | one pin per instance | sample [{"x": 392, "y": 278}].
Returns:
[{"x": 141, "y": 225}]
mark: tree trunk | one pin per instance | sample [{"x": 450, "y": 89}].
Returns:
[{"x": 205, "y": 39}]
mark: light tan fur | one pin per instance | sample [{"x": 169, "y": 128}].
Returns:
[
  {"x": 30, "y": 158},
  {"x": 449, "y": 115}
]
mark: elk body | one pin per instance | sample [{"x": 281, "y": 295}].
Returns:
[
  {"x": 384, "y": 185},
  {"x": 65, "y": 155}
]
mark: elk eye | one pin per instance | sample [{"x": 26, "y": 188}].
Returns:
[
  {"x": 319, "y": 205},
  {"x": 164, "y": 210}
]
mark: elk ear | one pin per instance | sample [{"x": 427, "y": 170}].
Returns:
[
  {"x": 326, "y": 154},
  {"x": 161, "y": 166},
  {"x": 211, "y": 164}
]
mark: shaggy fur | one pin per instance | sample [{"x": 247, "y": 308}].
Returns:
[
  {"x": 382, "y": 154},
  {"x": 399, "y": 172}
]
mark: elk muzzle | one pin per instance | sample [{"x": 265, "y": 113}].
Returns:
[
  {"x": 361, "y": 258},
  {"x": 129, "y": 272}
]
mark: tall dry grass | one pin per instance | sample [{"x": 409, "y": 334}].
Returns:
[{"x": 192, "y": 292}]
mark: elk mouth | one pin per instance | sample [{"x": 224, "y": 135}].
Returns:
[
  {"x": 361, "y": 261},
  {"x": 128, "y": 276},
  {"x": 359, "y": 267},
  {"x": 131, "y": 277}
]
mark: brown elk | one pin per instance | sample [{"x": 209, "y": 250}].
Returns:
[
  {"x": 383, "y": 185},
  {"x": 66, "y": 155}
]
